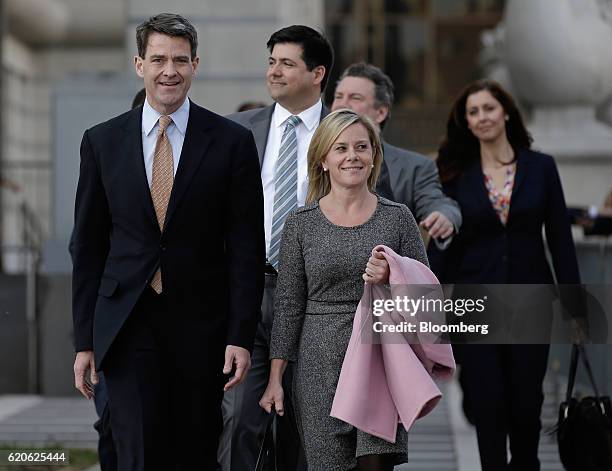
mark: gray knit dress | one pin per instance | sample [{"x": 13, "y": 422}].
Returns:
[{"x": 319, "y": 287}]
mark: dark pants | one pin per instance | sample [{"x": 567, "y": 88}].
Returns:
[
  {"x": 504, "y": 389},
  {"x": 244, "y": 420},
  {"x": 106, "y": 447},
  {"x": 161, "y": 417}
]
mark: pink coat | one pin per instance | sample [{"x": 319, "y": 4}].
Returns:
[{"x": 383, "y": 384}]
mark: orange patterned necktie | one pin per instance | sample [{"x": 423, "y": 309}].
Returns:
[{"x": 161, "y": 183}]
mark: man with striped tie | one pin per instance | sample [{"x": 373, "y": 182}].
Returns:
[
  {"x": 168, "y": 249},
  {"x": 299, "y": 65}
]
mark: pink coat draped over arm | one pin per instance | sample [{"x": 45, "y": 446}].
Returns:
[{"x": 383, "y": 384}]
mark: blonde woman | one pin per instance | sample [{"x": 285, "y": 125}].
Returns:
[{"x": 326, "y": 255}]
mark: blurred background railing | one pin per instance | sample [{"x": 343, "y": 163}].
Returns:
[{"x": 19, "y": 292}]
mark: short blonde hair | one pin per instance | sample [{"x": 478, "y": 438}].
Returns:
[{"x": 329, "y": 129}]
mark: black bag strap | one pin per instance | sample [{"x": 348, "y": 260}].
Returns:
[
  {"x": 578, "y": 351},
  {"x": 268, "y": 436},
  {"x": 572, "y": 374}
]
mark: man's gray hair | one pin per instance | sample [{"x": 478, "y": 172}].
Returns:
[
  {"x": 383, "y": 86},
  {"x": 169, "y": 24}
]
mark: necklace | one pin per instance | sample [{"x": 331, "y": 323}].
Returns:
[{"x": 496, "y": 164}]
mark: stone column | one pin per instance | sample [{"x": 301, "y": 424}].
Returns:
[
  {"x": 308, "y": 13},
  {"x": 560, "y": 63}
]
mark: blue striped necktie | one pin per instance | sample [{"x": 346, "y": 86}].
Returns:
[{"x": 285, "y": 186}]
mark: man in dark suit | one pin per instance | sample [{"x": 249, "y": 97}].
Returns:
[
  {"x": 299, "y": 65},
  {"x": 168, "y": 254},
  {"x": 366, "y": 89}
]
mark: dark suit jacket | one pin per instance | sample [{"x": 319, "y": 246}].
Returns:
[
  {"x": 211, "y": 250},
  {"x": 258, "y": 121},
  {"x": 415, "y": 183},
  {"x": 485, "y": 251}
]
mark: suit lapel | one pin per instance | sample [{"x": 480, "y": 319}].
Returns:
[
  {"x": 131, "y": 144},
  {"x": 477, "y": 183},
  {"x": 522, "y": 162},
  {"x": 522, "y": 167},
  {"x": 260, "y": 126},
  {"x": 195, "y": 145},
  {"x": 324, "y": 113}
]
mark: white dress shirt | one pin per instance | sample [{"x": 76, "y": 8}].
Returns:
[
  {"x": 176, "y": 134},
  {"x": 304, "y": 131}
]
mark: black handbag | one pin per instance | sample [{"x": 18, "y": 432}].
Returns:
[
  {"x": 266, "y": 459},
  {"x": 584, "y": 429}
]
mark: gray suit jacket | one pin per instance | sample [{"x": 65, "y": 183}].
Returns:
[
  {"x": 415, "y": 183},
  {"x": 258, "y": 121}
]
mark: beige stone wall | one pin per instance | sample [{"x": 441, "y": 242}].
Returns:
[
  {"x": 25, "y": 145},
  {"x": 35, "y": 58}
]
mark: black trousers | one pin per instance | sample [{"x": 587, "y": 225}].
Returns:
[
  {"x": 161, "y": 417},
  {"x": 244, "y": 420},
  {"x": 106, "y": 446},
  {"x": 503, "y": 387}
]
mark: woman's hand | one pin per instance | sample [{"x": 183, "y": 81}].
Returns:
[
  {"x": 377, "y": 269},
  {"x": 273, "y": 397}
]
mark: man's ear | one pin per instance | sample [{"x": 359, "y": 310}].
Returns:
[
  {"x": 138, "y": 66},
  {"x": 195, "y": 63},
  {"x": 381, "y": 113},
  {"x": 319, "y": 73}
]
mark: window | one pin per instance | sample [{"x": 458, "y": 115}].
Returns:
[{"x": 429, "y": 48}]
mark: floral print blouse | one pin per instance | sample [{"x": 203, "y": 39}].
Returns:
[{"x": 501, "y": 199}]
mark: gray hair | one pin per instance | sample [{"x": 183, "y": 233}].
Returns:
[
  {"x": 383, "y": 86},
  {"x": 169, "y": 24}
]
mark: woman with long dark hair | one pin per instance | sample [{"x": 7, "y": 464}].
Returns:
[{"x": 507, "y": 194}]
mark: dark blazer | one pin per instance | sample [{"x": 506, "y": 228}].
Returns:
[
  {"x": 485, "y": 251},
  {"x": 258, "y": 121},
  {"x": 415, "y": 183},
  {"x": 211, "y": 250}
]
